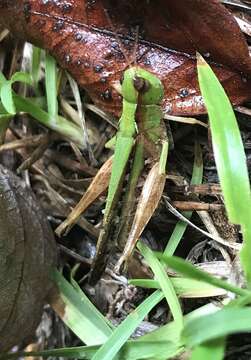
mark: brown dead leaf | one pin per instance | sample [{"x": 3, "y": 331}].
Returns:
[
  {"x": 79, "y": 35},
  {"x": 98, "y": 186},
  {"x": 147, "y": 204}
]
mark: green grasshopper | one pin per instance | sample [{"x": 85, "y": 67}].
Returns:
[{"x": 142, "y": 133}]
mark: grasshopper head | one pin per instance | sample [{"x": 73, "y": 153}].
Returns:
[{"x": 137, "y": 81}]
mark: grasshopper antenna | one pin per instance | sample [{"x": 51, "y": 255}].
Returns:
[
  {"x": 122, "y": 48},
  {"x": 135, "y": 45}
]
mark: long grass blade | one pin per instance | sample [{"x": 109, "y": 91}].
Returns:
[
  {"x": 229, "y": 157},
  {"x": 6, "y": 93},
  {"x": 224, "y": 322},
  {"x": 79, "y": 313},
  {"x": 184, "y": 287},
  {"x": 51, "y": 87},
  {"x": 206, "y": 350},
  {"x": 192, "y": 272},
  {"x": 164, "y": 282},
  {"x": 63, "y": 127}
]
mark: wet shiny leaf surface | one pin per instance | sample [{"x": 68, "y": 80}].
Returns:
[{"x": 82, "y": 38}]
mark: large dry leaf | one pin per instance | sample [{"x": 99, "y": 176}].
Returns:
[
  {"x": 28, "y": 251},
  {"x": 79, "y": 34}
]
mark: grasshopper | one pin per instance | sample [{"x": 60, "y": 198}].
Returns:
[{"x": 141, "y": 133}]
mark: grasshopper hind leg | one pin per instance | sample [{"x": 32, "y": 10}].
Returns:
[
  {"x": 101, "y": 258},
  {"x": 148, "y": 202}
]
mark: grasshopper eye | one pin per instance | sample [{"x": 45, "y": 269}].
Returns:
[{"x": 141, "y": 85}]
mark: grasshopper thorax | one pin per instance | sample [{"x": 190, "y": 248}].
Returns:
[{"x": 140, "y": 82}]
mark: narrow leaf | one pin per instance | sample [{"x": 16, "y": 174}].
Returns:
[
  {"x": 98, "y": 185},
  {"x": 164, "y": 282},
  {"x": 229, "y": 156},
  {"x": 206, "y": 350},
  {"x": 6, "y": 97},
  {"x": 79, "y": 313},
  {"x": 184, "y": 287},
  {"x": 224, "y": 322},
  {"x": 51, "y": 87},
  {"x": 184, "y": 267},
  {"x": 63, "y": 127}
]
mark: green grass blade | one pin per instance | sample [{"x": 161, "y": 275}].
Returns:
[
  {"x": 80, "y": 352},
  {"x": 187, "y": 269},
  {"x": 206, "y": 350},
  {"x": 139, "y": 350},
  {"x": 132, "y": 350},
  {"x": 121, "y": 334},
  {"x": 63, "y": 126},
  {"x": 6, "y": 93},
  {"x": 80, "y": 315},
  {"x": 51, "y": 87},
  {"x": 184, "y": 287},
  {"x": 227, "y": 144},
  {"x": 164, "y": 282},
  {"x": 21, "y": 77},
  {"x": 2, "y": 78},
  {"x": 245, "y": 253},
  {"x": 35, "y": 66},
  {"x": 224, "y": 322},
  {"x": 169, "y": 331},
  {"x": 229, "y": 156},
  {"x": 6, "y": 98}
]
